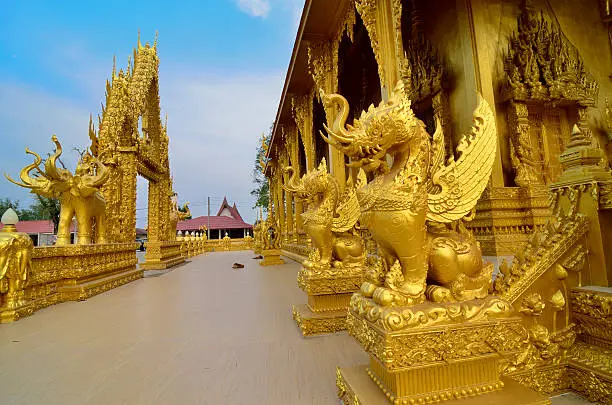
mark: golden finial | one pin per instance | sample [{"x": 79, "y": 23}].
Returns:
[
  {"x": 155, "y": 40},
  {"x": 139, "y": 45}
]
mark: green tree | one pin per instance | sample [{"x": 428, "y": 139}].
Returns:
[
  {"x": 46, "y": 208},
  {"x": 262, "y": 187},
  {"x": 24, "y": 214},
  {"x": 42, "y": 208}
]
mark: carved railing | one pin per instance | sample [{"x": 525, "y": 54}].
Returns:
[
  {"x": 560, "y": 242},
  {"x": 193, "y": 246},
  {"x": 71, "y": 273}
]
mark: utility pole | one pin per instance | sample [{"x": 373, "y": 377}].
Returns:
[{"x": 208, "y": 230}]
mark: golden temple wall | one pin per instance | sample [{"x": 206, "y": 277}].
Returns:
[
  {"x": 72, "y": 273},
  {"x": 471, "y": 38}
]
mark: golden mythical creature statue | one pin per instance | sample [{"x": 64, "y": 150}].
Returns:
[
  {"x": 79, "y": 194},
  {"x": 270, "y": 232},
  {"x": 330, "y": 219},
  {"x": 15, "y": 261},
  {"x": 411, "y": 206},
  {"x": 177, "y": 214}
]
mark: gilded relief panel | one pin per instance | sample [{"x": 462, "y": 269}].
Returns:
[{"x": 441, "y": 23}]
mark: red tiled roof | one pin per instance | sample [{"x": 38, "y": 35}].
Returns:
[
  {"x": 216, "y": 222},
  {"x": 34, "y": 227},
  {"x": 235, "y": 212},
  {"x": 38, "y": 226}
]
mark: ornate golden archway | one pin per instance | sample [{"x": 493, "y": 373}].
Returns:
[{"x": 132, "y": 140}]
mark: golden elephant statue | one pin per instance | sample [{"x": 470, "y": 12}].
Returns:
[{"x": 79, "y": 194}]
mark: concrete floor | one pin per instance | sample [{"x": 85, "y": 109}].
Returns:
[{"x": 202, "y": 333}]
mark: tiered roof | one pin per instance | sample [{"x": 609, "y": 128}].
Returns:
[{"x": 234, "y": 221}]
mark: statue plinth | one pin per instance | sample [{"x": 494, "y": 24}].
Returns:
[
  {"x": 329, "y": 292},
  {"x": 434, "y": 352},
  {"x": 162, "y": 255},
  {"x": 271, "y": 257}
]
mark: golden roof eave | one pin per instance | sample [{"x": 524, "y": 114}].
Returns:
[{"x": 317, "y": 22}]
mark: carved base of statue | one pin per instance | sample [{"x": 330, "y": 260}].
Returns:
[
  {"x": 329, "y": 292},
  {"x": 272, "y": 257},
  {"x": 434, "y": 352},
  {"x": 163, "y": 255}
]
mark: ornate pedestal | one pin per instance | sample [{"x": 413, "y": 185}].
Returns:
[
  {"x": 162, "y": 255},
  {"x": 271, "y": 258},
  {"x": 329, "y": 293},
  {"x": 430, "y": 353},
  {"x": 506, "y": 217}
]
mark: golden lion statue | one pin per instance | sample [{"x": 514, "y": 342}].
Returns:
[
  {"x": 330, "y": 219},
  {"x": 413, "y": 205}
]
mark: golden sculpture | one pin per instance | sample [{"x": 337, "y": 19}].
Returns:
[
  {"x": 334, "y": 268},
  {"x": 15, "y": 262},
  {"x": 79, "y": 194},
  {"x": 270, "y": 238},
  {"x": 418, "y": 187},
  {"x": 412, "y": 210},
  {"x": 329, "y": 219},
  {"x": 257, "y": 235}
]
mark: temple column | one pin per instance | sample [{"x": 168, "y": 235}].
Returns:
[
  {"x": 289, "y": 213},
  {"x": 378, "y": 18},
  {"x": 280, "y": 203},
  {"x": 302, "y": 114}
]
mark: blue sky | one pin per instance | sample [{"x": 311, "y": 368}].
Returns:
[{"x": 222, "y": 66}]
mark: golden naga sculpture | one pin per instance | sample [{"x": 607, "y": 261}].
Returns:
[
  {"x": 270, "y": 240},
  {"x": 79, "y": 194},
  {"x": 270, "y": 233},
  {"x": 330, "y": 219},
  {"x": 413, "y": 206}
]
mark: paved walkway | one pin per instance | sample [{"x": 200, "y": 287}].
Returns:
[{"x": 202, "y": 333}]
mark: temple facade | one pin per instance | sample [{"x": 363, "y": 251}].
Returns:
[
  {"x": 442, "y": 172},
  {"x": 542, "y": 66}
]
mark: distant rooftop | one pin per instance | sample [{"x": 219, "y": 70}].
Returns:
[{"x": 227, "y": 217}]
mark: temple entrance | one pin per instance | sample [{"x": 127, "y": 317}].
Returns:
[{"x": 131, "y": 141}]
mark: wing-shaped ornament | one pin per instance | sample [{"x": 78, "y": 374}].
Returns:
[
  {"x": 347, "y": 212},
  {"x": 460, "y": 183}
]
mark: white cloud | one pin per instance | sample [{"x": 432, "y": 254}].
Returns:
[
  {"x": 255, "y": 8},
  {"x": 28, "y": 117},
  {"x": 214, "y": 122}
]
